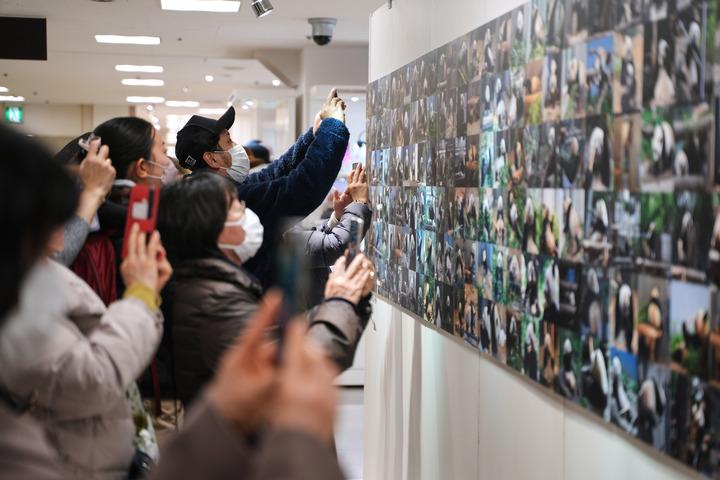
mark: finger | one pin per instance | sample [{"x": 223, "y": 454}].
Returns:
[
  {"x": 141, "y": 246},
  {"x": 363, "y": 177},
  {"x": 331, "y": 95},
  {"x": 265, "y": 317},
  {"x": 103, "y": 153},
  {"x": 94, "y": 146},
  {"x": 153, "y": 247},
  {"x": 355, "y": 265},
  {"x": 362, "y": 281},
  {"x": 340, "y": 263},
  {"x": 132, "y": 241},
  {"x": 294, "y": 350}
]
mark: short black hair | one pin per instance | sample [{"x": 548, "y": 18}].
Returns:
[
  {"x": 192, "y": 215},
  {"x": 259, "y": 151},
  {"x": 72, "y": 153},
  {"x": 37, "y": 195},
  {"x": 129, "y": 139}
]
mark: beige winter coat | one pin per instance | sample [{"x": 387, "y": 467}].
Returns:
[{"x": 72, "y": 359}]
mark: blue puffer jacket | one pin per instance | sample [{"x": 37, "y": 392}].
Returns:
[{"x": 293, "y": 186}]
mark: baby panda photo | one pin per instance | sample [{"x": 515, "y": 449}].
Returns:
[
  {"x": 500, "y": 168},
  {"x": 532, "y": 92},
  {"x": 428, "y": 74},
  {"x": 476, "y": 54},
  {"x": 551, "y": 86},
  {"x": 500, "y": 275},
  {"x": 471, "y": 214},
  {"x": 429, "y": 299},
  {"x": 530, "y": 347},
  {"x": 577, "y": 21},
  {"x": 652, "y": 329},
  {"x": 628, "y": 74},
  {"x": 659, "y": 78},
  {"x": 471, "y": 316},
  {"x": 513, "y": 339},
  {"x": 692, "y": 230},
  {"x": 516, "y": 157},
  {"x": 572, "y": 225},
  {"x": 486, "y": 223},
  {"x": 574, "y": 82},
  {"x": 471, "y": 168},
  {"x": 515, "y": 98},
  {"x": 516, "y": 217},
  {"x": 516, "y": 278},
  {"x": 503, "y": 41},
  {"x": 657, "y": 212},
  {"x": 567, "y": 381},
  {"x": 519, "y": 45},
  {"x": 486, "y": 262},
  {"x": 459, "y": 158},
  {"x": 658, "y": 160},
  {"x": 693, "y": 165},
  {"x": 499, "y": 218},
  {"x": 692, "y": 78},
  {"x": 531, "y": 148},
  {"x": 627, "y": 12},
  {"x": 447, "y": 117},
  {"x": 599, "y": 228},
  {"x": 654, "y": 416},
  {"x": 626, "y": 227},
  {"x": 623, "y": 310},
  {"x": 594, "y": 379},
  {"x": 624, "y": 387},
  {"x": 474, "y": 109},
  {"x": 446, "y": 73},
  {"x": 689, "y": 332},
  {"x": 594, "y": 301},
  {"x": 626, "y": 141},
  {"x": 503, "y": 95},
  {"x": 487, "y": 100},
  {"x": 599, "y": 165},
  {"x": 461, "y": 63},
  {"x": 446, "y": 308},
  {"x": 570, "y": 161},
  {"x": 599, "y": 76}
]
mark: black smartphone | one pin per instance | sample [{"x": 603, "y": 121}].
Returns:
[
  {"x": 292, "y": 277},
  {"x": 356, "y": 232}
]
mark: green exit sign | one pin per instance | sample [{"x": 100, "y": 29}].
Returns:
[{"x": 14, "y": 114}]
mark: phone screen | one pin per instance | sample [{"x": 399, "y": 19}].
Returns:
[
  {"x": 143, "y": 210},
  {"x": 356, "y": 231}
]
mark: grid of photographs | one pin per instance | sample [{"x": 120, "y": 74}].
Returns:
[{"x": 547, "y": 190}]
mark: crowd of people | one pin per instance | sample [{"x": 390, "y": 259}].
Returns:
[{"x": 86, "y": 305}]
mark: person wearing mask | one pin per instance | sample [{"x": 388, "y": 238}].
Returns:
[
  {"x": 70, "y": 359},
  {"x": 258, "y": 155},
  {"x": 139, "y": 156},
  {"x": 326, "y": 244},
  {"x": 292, "y": 186},
  {"x": 210, "y": 235},
  {"x": 291, "y": 404},
  {"x": 96, "y": 174}
]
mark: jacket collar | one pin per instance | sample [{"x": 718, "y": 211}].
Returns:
[{"x": 217, "y": 269}]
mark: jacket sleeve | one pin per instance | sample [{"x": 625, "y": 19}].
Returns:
[
  {"x": 76, "y": 232},
  {"x": 286, "y": 163},
  {"x": 337, "y": 328},
  {"x": 294, "y": 455},
  {"x": 324, "y": 247},
  {"x": 94, "y": 371},
  {"x": 206, "y": 448},
  {"x": 305, "y": 187}
]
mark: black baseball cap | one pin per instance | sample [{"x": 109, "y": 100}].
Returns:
[{"x": 200, "y": 135}]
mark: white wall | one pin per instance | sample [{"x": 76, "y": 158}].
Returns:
[{"x": 434, "y": 409}]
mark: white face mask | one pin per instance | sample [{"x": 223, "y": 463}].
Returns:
[
  {"x": 254, "y": 230},
  {"x": 169, "y": 172},
  {"x": 238, "y": 170}
]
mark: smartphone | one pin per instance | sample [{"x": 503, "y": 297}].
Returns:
[
  {"x": 143, "y": 210},
  {"x": 292, "y": 277},
  {"x": 356, "y": 232},
  {"x": 355, "y": 165}
]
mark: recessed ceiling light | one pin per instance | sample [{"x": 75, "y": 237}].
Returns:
[
  {"x": 245, "y": 107},
  {"x": 209, "y": 78},
  {"x": 4, "y": 90},
  {"x": 139, "y": 68},
  {"x": 143, "y": 82},
  {"x": 276, "y": 83},
  {"x": 11, "y": 98},
  {"x": 150, "y": 108},
  {"x": 220, "y": 6},
  {"x": 355, "y": 99},
  {"x": 211, "y": 111},
  {"x": 134, "y": 99},
  {"x": 182, "y": 103},
  {"x": 185, "y": 89},
  {"x": 249, "y": 103},
  {"x": 128, "y": 39}
]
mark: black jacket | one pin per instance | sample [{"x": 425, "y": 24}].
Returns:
[
  {"x": 214, "y": 299},
  {"x": 293, "y": 186}
]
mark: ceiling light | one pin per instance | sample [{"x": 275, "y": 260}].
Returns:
[
  {"x": 354, "y": 99},
  {"x": 211, "y": 111},
  {"x": 128, "y": 39},
  {"x": 150, "y": 108},
  {"x": 134, "y": 99},
  {"x": 185, "y": 89},
  {"x": 182, "y": 103},
  {"x": 209, "y": 78},
  {"x": 220, "y": 6},
  {"x": 276, "y": 83},
  {"x": 4, "y": 90},
  {"x": 143, "y": 82},
  {"x": 261, "y": 8},
  {"x": 249, "y": 103},
  {"x": 245, "y": 107},
  {"x": 139, "y": 68},
  {"x": 11, "y": 98}
]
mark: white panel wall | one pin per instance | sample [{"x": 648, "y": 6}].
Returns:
[{"x": 434, "y": 409}]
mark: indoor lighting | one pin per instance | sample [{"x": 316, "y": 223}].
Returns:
[
  {"x": 134, "y": 99},
  {"x": 276, "y": 83},
  {"x": 250, "y": 103},
  {"x": 211, "y": 111},
  {"x": 245, "y": 107},
  {"x": 261, "y": 8},
  {"x": 219, "y": 6},
  {"x": 209, "y": 78},
  {"x": 4, "y": 90},
  {"x": 11, "y": 98},
  {"x": 139, "y": 68},
  {"x": 182, "y": 103},
  {"x": 355, "y": 99},
  {"x": 150, "y": 108},
  {"x": 128, "y": 39},
  {"x": 143, "y": 82}
]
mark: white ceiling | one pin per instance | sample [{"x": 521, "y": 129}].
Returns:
[{"x": 193, "y": 45}]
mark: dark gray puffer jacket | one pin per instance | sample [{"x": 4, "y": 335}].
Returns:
[{"x": 213, "y": 301}]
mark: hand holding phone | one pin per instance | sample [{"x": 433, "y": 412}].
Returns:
[{"x": 142, "y": 211}]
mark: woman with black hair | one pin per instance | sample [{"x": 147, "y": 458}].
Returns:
[{"x": 209, "y": 237}]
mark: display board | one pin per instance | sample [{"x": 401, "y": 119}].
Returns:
[{"x": 546, "y": 189}]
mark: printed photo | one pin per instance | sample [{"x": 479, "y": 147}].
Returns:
[{"x": 628, "y": 78}]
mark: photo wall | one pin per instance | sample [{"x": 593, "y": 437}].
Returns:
[{"x": 546, "y": 189}]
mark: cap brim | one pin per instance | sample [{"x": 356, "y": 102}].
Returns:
[{"x": 226, "y": 121}]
